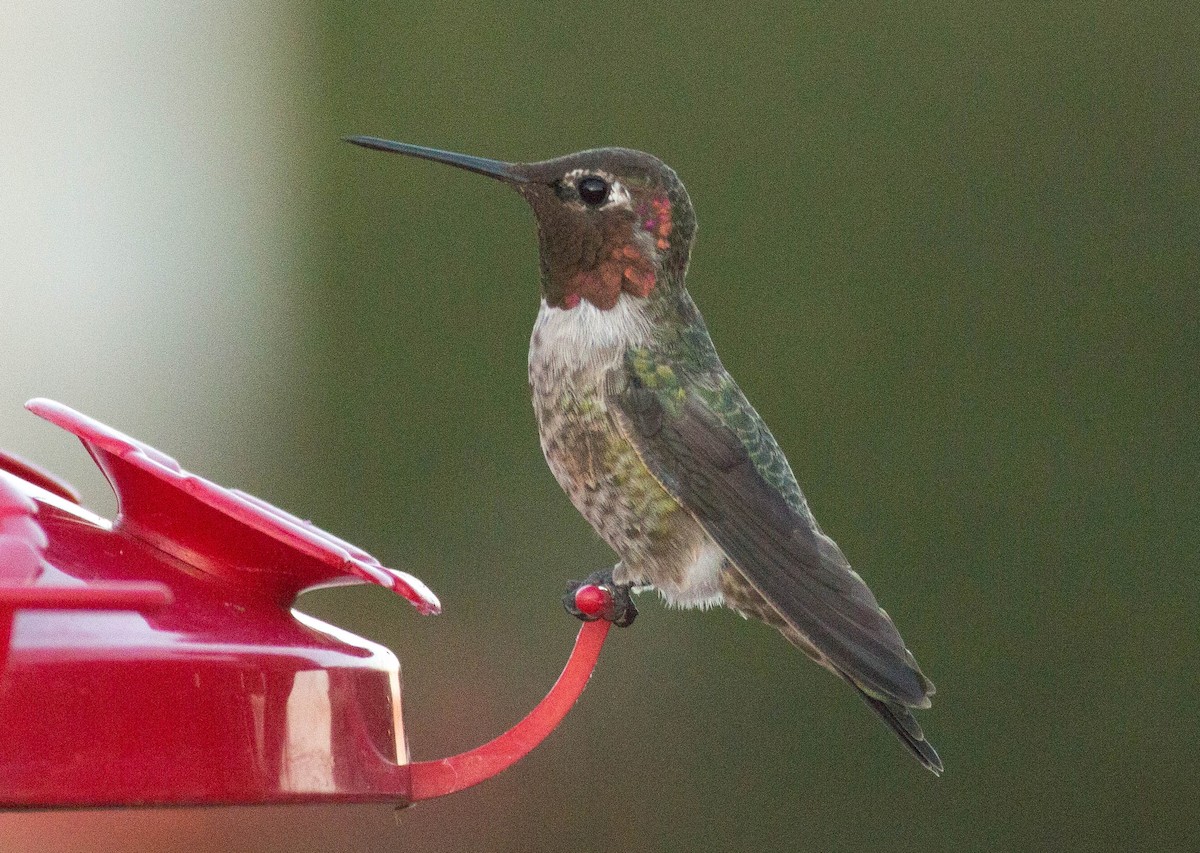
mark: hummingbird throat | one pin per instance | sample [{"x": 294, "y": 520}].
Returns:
[{"x": 627, "y": 263}]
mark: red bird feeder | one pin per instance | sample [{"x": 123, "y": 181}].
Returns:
[{"x": 156, "y": 659}]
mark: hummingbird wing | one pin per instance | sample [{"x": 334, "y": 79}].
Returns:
[{"x": 711, "y": 451}]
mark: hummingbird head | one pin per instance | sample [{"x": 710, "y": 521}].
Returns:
[{"x": 611, "y": 221}]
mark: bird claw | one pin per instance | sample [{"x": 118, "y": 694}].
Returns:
[{"x": 618, "y": 607}]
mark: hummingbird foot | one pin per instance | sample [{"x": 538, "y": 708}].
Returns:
[{"x": 618, "y": 608}]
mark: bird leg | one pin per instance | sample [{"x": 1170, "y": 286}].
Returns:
[{"x": 622, "y": 612}]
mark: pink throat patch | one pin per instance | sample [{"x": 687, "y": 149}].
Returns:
[{"x": 626, "y": 268}]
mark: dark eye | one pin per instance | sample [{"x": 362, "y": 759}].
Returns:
[{"x": 593, "y": 190}]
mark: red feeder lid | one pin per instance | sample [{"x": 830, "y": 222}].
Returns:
[{"x": 155, "y": 659}]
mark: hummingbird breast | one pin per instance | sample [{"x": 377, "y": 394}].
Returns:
[{"x": 573, "y": 353}]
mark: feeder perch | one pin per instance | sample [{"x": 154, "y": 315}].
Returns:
[{"x": 155, "y": 659}]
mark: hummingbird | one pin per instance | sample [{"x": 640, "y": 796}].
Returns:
[{"x": 656, "y": 445}]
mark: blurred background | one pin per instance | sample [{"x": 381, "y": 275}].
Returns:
[{"x": 949, "y": 251}]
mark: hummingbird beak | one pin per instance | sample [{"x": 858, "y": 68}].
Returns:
[{"x": 492, "y": 168}]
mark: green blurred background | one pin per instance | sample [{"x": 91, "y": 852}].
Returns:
[{"x": 949, "y": 251}]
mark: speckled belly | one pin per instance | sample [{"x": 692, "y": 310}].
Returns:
[{"x": 608, "y": 483}]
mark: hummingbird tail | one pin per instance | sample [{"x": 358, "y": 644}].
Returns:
[
  {"x": 901, "y": 721},
  {"x": 746, "y": 600}
]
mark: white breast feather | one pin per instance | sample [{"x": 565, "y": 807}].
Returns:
[{"x": 585, "y": 333}]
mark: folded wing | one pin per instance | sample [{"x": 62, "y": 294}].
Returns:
[{"x": 712, "y": 452}]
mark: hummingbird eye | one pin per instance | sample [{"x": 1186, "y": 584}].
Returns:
[{"x": 593, "y": 190}]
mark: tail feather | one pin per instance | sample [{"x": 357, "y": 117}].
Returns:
[
  {"x": 749, "y": 602},
  {"x": 901, "y": 721}
]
